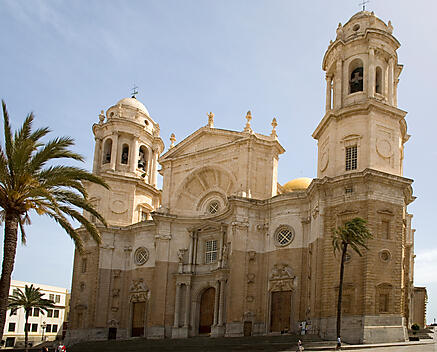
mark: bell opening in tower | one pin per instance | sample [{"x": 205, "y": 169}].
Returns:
[{"x": 356, "y": 76}]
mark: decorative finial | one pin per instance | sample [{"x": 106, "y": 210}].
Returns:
[
  {"x": 210, "y": 120},
  {"x": 134, "y": 91},
  {"x": 340, "y": 31},
  {"x": 274, "y": 124},
  {"x": 101, "y": 116},
  {"x": 390, "y": 27},
  {"x": 172, "y": 140},
  {"x": 248, "y": 118}
]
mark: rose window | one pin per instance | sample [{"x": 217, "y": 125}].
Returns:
[
  {"x": 141, "y": 256},
  {"x": 284, "y": 236}
]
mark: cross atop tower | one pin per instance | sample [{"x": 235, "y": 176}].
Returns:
[
  {"x": 363, "y": 4},
  {"x": 134, "y": 91}
]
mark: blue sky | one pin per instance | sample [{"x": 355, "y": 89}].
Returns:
[{"x": 66, "y": 61}]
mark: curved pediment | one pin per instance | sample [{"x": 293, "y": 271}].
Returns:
[{"x": 204, "y": 191}]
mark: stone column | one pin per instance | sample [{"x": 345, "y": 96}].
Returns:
[
  {"x": 328, "y": 92},
  {"x": 216, "y": 302},
  {"x": 133, "y": 158},
  {"x": 114, "y": 151},
  {"x": 154, "y": 167},
  {"x": 371, "y": 74},
  {"x": 338, "y": 83},
  {"x": 187, "y": 305},
  {"x": 177, "y": 305},
  {"x": 97, "y": 155},
  {"x": 390, "y": 80},
  {"x": 190, "y": 252},
  {"x": 221, "y": 302}
]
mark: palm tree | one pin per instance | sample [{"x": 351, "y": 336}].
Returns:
[
  {"x": 353, "y": 233},
  {"x": 28, "y": 184},
  {"x": 30, "y": 299}
]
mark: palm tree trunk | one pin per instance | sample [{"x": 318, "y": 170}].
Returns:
[
  {"x": 26, "y": 332},
  {"x": 9, "y": 250},
  {"x": 340, "y": 289}
]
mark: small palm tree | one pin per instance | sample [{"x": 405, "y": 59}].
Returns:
[
  {"x": 30, "y": 299},
  {"x": 353, "y": 233},
  {"x": 28, "y": 184}
]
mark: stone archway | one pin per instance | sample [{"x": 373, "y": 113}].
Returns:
[{"x": 206, "y": 313}]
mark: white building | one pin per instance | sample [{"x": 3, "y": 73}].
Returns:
[{"x": 41, "y": 326}]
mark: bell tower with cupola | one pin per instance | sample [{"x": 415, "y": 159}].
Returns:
[
  {"x": 362, "y": 127},
  {"x": 127, "y": 147}
]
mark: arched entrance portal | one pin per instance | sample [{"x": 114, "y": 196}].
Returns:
[{"x": 206, "y": 317}]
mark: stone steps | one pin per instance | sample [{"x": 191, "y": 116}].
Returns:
[{"x": 204, "y": 344}]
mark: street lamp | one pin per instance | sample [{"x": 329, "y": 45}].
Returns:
[{"x": 43, "y": 326}]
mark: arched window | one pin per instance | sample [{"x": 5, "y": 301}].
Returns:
[
  {"x": 143, "y": 155},
  {"x": 107, "y": 148},
  {"x": 125, "y": 154},
  {"x": 356, "y": 76},
  {"x": 378, "y": 80}
]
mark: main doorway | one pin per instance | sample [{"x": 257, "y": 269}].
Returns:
[
  {"x": 280, "y": 311},
  {"x": 138, "y": 313},
  {"x": 206, "y": 317}
]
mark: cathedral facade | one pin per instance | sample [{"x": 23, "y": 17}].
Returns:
[{"x": 223, "y": 249}]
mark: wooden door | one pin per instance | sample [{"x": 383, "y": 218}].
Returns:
[
  {"x": 138, "y": 312},
  {"x": 280, "y": 311},
  {"x": 112, "y": 333},
  {"x": 206, "y": 318},
  {"x": 247, "y": 328}
]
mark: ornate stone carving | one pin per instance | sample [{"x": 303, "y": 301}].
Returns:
[
  {"x": 282, "y": 278},
  {"x": 181, "y": 254},
  {"x": 250, "y": 278},
  {"x": 138, "y": 286},
  {"x": 113, "y": 323}
]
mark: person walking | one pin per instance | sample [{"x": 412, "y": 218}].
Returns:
[
  {"x": 61, "y": 348},
  {"x": 338, "y": 344},
  {"x": 299, "y": 346}
]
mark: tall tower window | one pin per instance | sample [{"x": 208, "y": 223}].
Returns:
[
  {"x": 142, "y": 158},
  {"x": 351, "y": 158},
  {"x": 378, "y": 80},
  {"x": 356, "y": 76},
  {"x": 125, "y": 154},
  {"x": 107, "y": 151}
]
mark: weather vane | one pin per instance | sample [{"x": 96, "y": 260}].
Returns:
[
  {"x": 134, "y": 91},
  {"x": 364, "y": 3}
]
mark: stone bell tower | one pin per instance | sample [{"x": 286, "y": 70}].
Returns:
[
  {"x": 127, "y": 147},
  {"x": 362, "y": 127}
]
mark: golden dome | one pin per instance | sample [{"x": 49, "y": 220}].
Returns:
[{"x": 298, "y": 184}]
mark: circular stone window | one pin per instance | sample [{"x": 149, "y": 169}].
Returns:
[
  {"x": 284, "y": 235},
  {"x": 213, "y": 207},
  {"x": 356, "y": 27},
  {"x": 141, "y": 256},
  {"x": 385, "y": 255}
]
